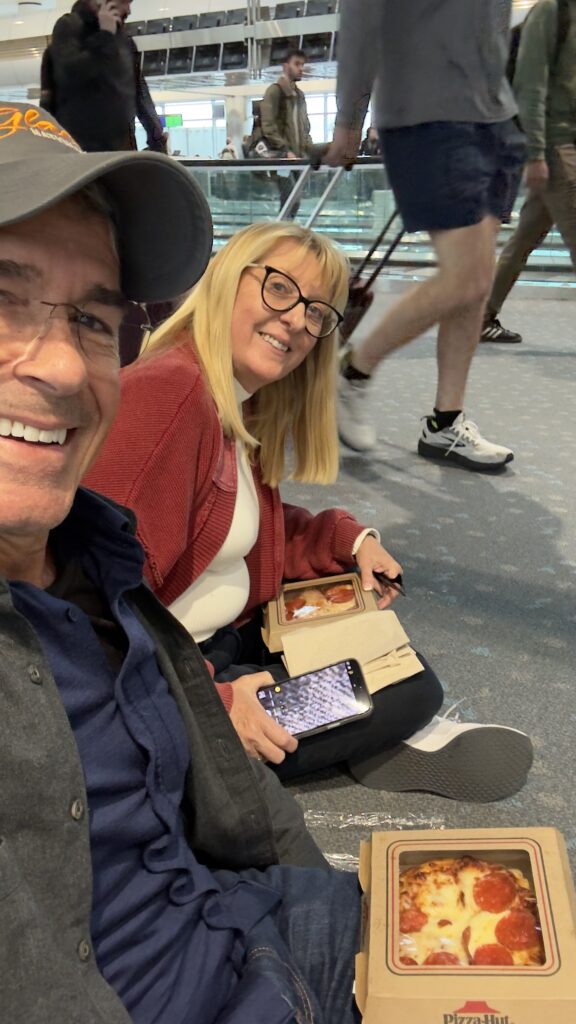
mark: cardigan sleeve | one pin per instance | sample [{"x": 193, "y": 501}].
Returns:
[
  {"x": 154, "y": 458},
  {"x": 317, "y": 545}
]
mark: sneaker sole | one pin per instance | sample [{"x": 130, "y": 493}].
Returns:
[
  {"x": 433, "y": 451},
  {"x": 478, "y": 766}
]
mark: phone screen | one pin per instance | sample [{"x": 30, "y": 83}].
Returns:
[{"x": 318, "y": 700}]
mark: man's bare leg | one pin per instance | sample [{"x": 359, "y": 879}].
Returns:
[{"x": 455, "y": 298}]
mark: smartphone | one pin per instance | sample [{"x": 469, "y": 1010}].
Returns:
[{"x": 320, "y": 700}]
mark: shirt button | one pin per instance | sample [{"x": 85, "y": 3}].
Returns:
[
  {"x": 72, "y": 615},
  {"x": 84, "y": 950},
  {"x": 34, "y": 674},
  {"x": 77, "y": 809}
]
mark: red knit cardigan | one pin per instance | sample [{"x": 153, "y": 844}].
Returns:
[{"x": 167, "y": 458}]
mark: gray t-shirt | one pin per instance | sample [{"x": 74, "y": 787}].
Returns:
[{"x": 424, "y": 60}]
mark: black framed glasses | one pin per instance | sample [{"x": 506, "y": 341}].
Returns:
[{"x": 280, "y": 293}]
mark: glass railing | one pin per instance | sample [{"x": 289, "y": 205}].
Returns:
[{"x": 360, "y": 203}]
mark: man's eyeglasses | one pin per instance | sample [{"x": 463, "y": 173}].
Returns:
[
  {"x": 23, "y": 321},
  {"x": 280, "y": 293}
]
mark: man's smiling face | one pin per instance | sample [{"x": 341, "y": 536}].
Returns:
[{"x": 58, "y": 395}]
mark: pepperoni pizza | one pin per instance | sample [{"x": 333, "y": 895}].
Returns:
[{"x": 465, "y": 911}]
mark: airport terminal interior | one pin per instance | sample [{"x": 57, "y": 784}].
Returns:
[{"x": 489, "y": 560}]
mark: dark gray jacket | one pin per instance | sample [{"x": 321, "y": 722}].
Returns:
[
  {"x": 92, "y": 83},
  {"x": 237, "y": 815}
]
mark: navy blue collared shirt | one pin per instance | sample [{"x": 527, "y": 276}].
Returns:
[{"x": 167, "y": 934}]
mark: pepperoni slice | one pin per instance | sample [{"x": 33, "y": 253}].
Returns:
[
  {"x": 293, "y": 606},
  {"x": 412, "y": 920},
  {"x": 444, "y": 922},
  {"x": 441, "y": 958},
  {"x": 408, "y": 961},
  {"x": 517, "y": 930},
  {"x": 340, "y": 595},
  {"x": 492, "y": 953},
  {"x": 495, "y": 892}
]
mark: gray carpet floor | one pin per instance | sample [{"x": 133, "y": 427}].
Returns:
[{"x": 489, "y": 564}]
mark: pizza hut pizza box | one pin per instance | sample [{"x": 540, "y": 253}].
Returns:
[
  {"x": 313, "y": 603},
  {"x": 488, "y": 922}
]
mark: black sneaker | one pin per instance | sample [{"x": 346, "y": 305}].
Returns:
[{"x": 493, "y": 331}]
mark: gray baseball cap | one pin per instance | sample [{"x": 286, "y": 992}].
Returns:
[{"x": 163, "y": 221}]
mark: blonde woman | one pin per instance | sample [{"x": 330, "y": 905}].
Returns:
[{"x": 246, "y": 365}]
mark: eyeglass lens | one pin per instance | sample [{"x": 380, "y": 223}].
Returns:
[{"x": 281, "y": 293}]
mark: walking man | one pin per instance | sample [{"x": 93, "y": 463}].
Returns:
[
  {"x": 92, "y": 82},
  {"x": 284, "y": 120},
  {"x": 545, "y": 88},
  {"x": 454, "y": 155}
]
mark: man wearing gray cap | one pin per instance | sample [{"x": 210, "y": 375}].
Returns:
[{"x": 141, "y": 874}]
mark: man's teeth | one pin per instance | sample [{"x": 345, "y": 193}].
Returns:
[
  {"x": 14, "y": 428},
  {"x": 275, "y": 343}
]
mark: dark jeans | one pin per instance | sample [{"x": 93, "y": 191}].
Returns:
[
  {"x": 305, "y": 948},
  {"x": 399, "y": 710},
  {"x": 285, "y": 186}
]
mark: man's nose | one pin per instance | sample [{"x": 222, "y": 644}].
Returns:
[{"x": 55, "y": 360}]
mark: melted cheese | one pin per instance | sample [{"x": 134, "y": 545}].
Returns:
[{"x": 444, "y": 891}]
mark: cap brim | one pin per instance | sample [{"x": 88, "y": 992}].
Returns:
[{"x": 163, "y": 219}]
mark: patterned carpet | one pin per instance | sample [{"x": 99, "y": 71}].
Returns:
[{"x": 489, "y": 563}]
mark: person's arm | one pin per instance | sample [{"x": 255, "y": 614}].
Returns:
[
  {"x": 357, "y": 64},
  {"x": 79, "y": 58},
  {"x": 325, "y": 544},
  {"x": 269, "y": 112},
  {"x": 156, "y": 137},
  {"x": 535, "y": 56}
]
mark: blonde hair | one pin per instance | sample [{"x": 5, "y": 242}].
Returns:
[{"x": 301, "y": 405}]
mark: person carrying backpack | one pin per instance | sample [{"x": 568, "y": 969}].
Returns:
[
  {"x": 284, "y": 121},
  {"x": 545, "y": 85}
]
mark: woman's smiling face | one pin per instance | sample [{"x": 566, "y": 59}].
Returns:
[{"x": 268, "y": 345}]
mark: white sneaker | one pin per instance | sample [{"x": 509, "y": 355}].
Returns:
[
  {"x": 476, "y": 763},
  {"x": 463, "y": 443},
  {"x": 354, "y": 424}
]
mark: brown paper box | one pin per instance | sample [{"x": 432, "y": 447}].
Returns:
[
  {"x": 375, "y": 639},
  {"x": 389, "y": 992},
  {"x": 276, "y": 623}
]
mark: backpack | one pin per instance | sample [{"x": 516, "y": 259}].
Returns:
[
  {"x": 562, "y": 29},
  {"x": 257, "y": 145}
]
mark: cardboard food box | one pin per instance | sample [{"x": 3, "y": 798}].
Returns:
[
  {"x": 389, "y": 991},
  {"x": 314, "y": 602}
]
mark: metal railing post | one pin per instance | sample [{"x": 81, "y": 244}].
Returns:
[{"x": 332, "y": 183}]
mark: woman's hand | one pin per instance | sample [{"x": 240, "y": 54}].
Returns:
[
  {"x": 371, "y": 555},
  {"x": 261, "y": 736}
]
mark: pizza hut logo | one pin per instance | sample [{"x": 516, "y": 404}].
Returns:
[
  {"x": 476, "y": 1013},
  {"x": 14, "y": 120}
]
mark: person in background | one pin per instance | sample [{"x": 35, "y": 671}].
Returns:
[
  {"x": 545, "y": 89},
  {"x": 144, "y": 877},
  {"x": 370, "y": 145},
  {"x": 198, "y": 450},
  {"x": 454, "y": 155},
  {"x": 91, "y": 79},
  {"x": 284, "y": 121},
  {"x": 229, "y": 151}
]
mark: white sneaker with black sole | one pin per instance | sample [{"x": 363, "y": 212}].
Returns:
[
  {"x": 354, "y": 424},
  {"x": 471, "y": 762},
  {"x": 463, "y": 444}
]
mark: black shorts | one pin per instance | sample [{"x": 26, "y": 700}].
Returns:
[{"x": 451, "y": 174}]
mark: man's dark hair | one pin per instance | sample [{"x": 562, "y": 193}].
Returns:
[{"x": 294, "y": 53}]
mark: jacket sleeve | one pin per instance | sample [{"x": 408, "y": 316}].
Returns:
[
  {"x": 357, "y": 62},
  {"x": 79, "y": 58},
  {"x": 318, "y": 545},
  {"x": 535, "y": 56},
  {"x": 269, "y": 111},
  {"x": 145, "y": 109}
]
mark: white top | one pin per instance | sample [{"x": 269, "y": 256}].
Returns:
[{"x": 218, "y": 596}]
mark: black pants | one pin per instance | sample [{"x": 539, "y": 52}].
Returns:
[{"x": 399, "y": 710}]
